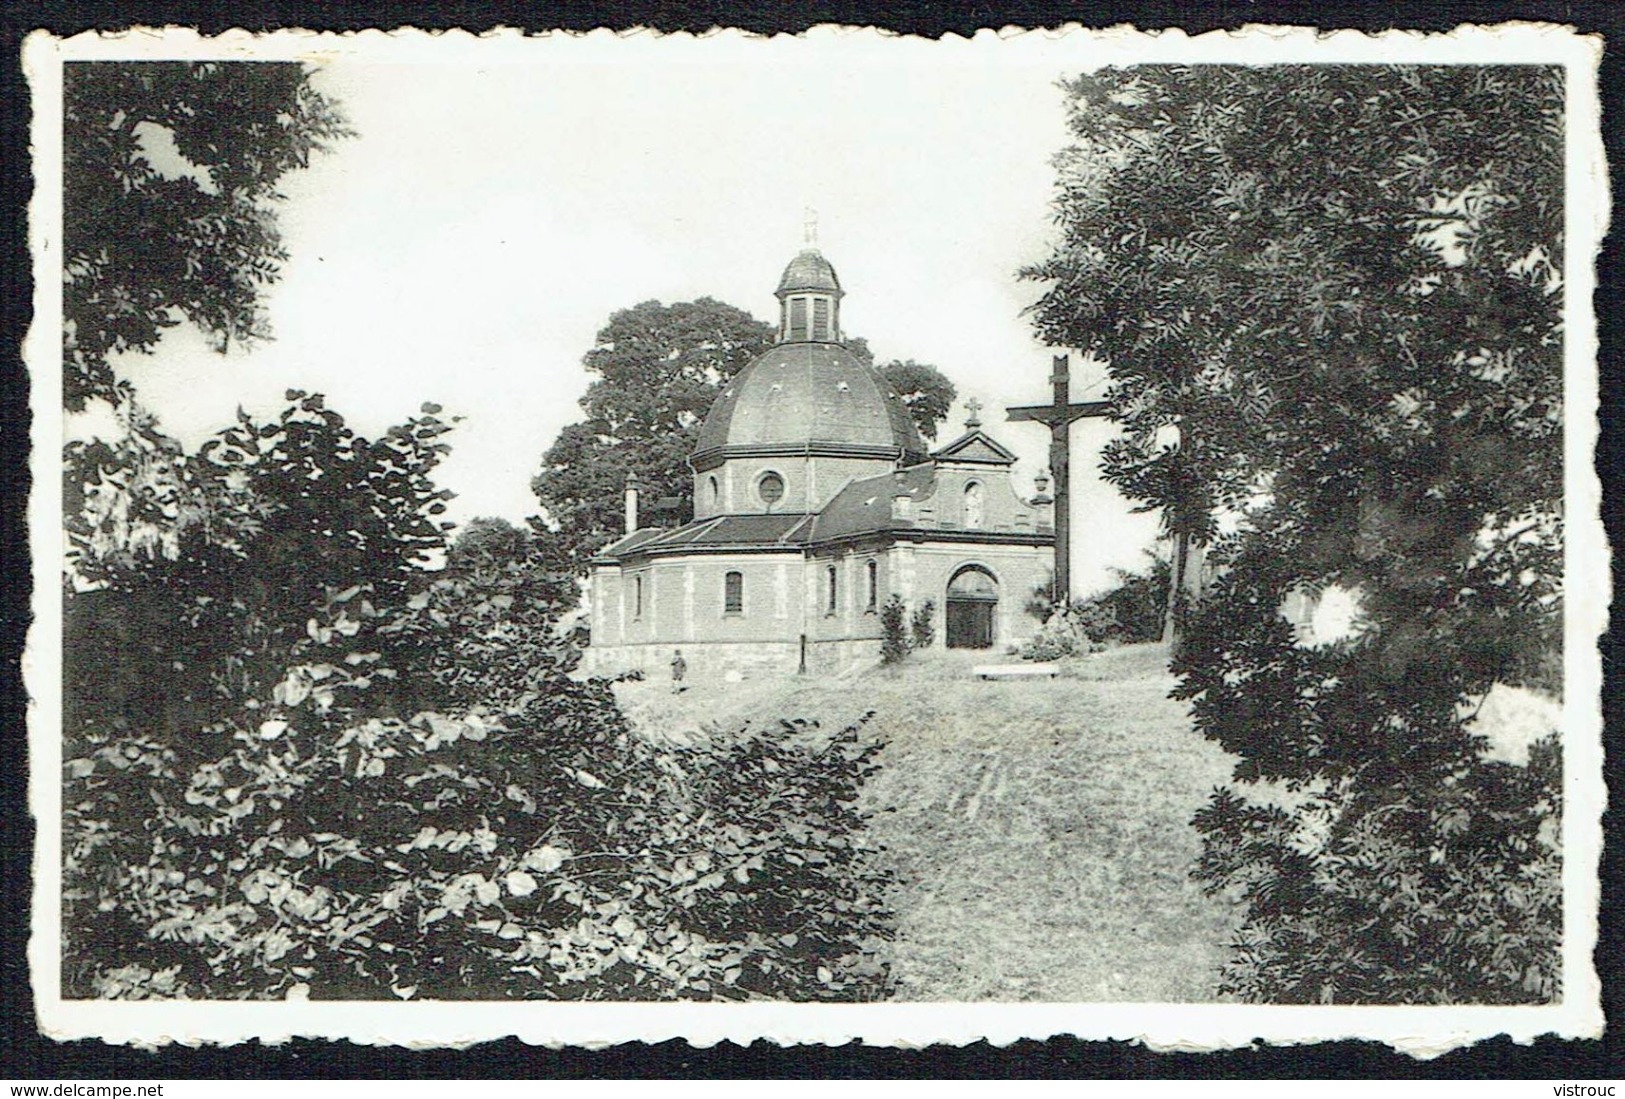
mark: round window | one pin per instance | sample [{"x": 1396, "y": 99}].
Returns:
[{"x": 770, "y": 488}]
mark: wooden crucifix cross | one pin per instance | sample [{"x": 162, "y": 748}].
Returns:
[{"x": 1059, "y": 414}]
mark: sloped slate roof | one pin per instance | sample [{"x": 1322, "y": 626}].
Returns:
[
  {"x": 797, "y": 394},
  {"x": 809, "y": 271},
  {"x": 865, "y": 505},
  {"x": 719, "y": 531},
  {"x": 630, "y": 542},
  {"x": 729, "y": 530}
]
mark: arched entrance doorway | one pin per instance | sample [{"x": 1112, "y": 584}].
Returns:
[{"x": 973, "y": 597}]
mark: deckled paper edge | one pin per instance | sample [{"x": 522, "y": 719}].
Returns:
[{"x": 1422, "y": 1032}]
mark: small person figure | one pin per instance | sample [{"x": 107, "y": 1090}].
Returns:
[{"x": 679, "y": 667}]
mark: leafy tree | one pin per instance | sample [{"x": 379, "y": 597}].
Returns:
[
  {"x": 1330, "y": 299},
  {"x": 170, "y": 177},
  {"x": 191, "y": 576},
  {"x": 924, "y": 391},
  {"x": 491, "y": 550},
  {"x": 659, "y": 366},
  {"x": 300, "y": 760},
  {"x": 659, "y": 369},
  {"x": 1136, "y": 601},
  {"x": 487, "y": 541}
]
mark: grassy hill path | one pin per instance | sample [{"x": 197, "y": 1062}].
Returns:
[{"x": 1040, "y": 830}]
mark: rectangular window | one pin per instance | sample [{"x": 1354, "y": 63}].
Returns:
[
  {"x": 821, "y": 319},
  {"x": 873, "y": 586},
  {"x": 830, "y": 609},
  {"x": 733, "y": 593},
  {"x": 798, "y": 318},
  {"x": 637, "y": 597}
]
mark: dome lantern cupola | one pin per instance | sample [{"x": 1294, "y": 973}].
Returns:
[
  {"x": 802, "y": 418},
  {"x": 809, "y": 300}
]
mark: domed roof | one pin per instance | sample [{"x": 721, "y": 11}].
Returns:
[
  {"x": 800, "y": 394},
  {"x": 809, "y": 271}
]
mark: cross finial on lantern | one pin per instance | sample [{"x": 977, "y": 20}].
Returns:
[
  {"x": 809, "y": 227},
  {"x": 973, "y": 420}
]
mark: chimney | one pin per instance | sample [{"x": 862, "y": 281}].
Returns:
[
  {"x": 631, "y": 502},
  {"x": 902, "y": 499}
]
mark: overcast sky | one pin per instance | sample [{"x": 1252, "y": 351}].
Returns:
[{"x": 468, "y": 244}]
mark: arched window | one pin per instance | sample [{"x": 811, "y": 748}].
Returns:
[
  {"x": 714, "y": 490},
  {"x": 833, "y": 585},
  {"x": 973, "y": 505},
  {"x": 637, "y": 597},
  {"x": 770, "y": 488},
  {"x": 873, "y": 573},
  {"x": 733, "y": 593}
]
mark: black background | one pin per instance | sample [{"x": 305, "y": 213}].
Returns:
[{"x": 26, "y": 1056}]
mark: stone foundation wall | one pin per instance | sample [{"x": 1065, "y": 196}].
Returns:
[
  {"x": 720, "y": 660},
  {"x": 705, "y": 660},
  {"x": 835, "y": 657}
]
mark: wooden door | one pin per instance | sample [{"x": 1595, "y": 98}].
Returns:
[{"x": 970, "y": 623}]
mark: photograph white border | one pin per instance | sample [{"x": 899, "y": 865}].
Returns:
[{"x": 1421, "y": 1031}]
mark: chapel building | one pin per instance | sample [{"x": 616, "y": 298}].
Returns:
[{"x": 815, "y": 500}]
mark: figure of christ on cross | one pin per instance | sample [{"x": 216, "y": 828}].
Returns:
[{"x": 1059, "y": 414}]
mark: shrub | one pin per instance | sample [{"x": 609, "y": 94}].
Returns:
[
  {"x": 1354, "y": 899},
  {"x": 1064, "y": 634},
  {"x": 1097, "y": 620},
  {"x": 542, "y": 850},
  {"x": 1412, "y": 867},
  {"x": 192, "y": 575},
  {"x": 894, "y": 644},
  {"x": 1132, "y": 611},
  {"x": 922, "y": 625},
  {"x": 390, "y": 785}
]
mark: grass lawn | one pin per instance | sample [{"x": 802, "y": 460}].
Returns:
[{"x": 1040, "y": 830}]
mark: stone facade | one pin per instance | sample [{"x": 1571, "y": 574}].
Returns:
[
  {"x": 786, "y": 597},
  {"x": 814, "y": 502}
]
